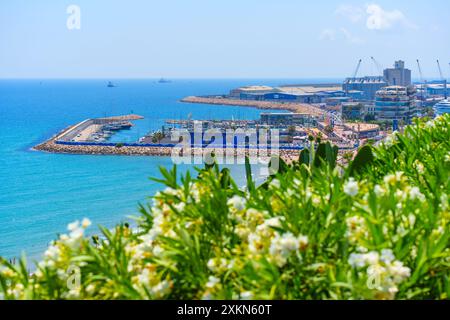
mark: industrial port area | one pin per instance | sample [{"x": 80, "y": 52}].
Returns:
[{"x": 362, "y": 109}]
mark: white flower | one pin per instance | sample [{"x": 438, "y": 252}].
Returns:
[
  {"x": 158, "y": 251},
  {"x": 303, "y": 241},
  {"x": 212, "y": 282},
  {"x": 161, "y": 289},
  {"x": 282, "y": 246},
  {"x": 52, "y": 252},
  {"x": 356, "y": 228},
  {"x": 275, "y": 183},
  {"x": 246, "y": 295},
  {"x": 351, "y": 187},
  {"x": 384, "y": 273},
  {"x": 398, "y": 271},
  {"x": 411, "y": 220},
  {"x": 429, "y": 124},
  {"x": 85, "y": 223},
  {"x": 419, "y": 167},
  {"x": 237, "y": 202},
  {"x": 444, "y": 201},
  {"x": 144, "y": 277},
  {"x": 392, "y": 178},
  {"x": 76, "y": 234},
  {"x": 356, "y": 260},
  {"x": 274, "y": 222},
  {"x": 387, "y": 256},
  {"x": 73, "y": 226},
  {"x": 255, "y": 243},
  {"x": 415, "y": 193},
  {"x": 180, "y": 206},
  {"x": 170, "y": 191},
  {"x": 390, "y": 139},
  {"x": 217, "y": 264},
  {"x": 447, "y": 157},
  {"x": 371, "y": 257},
  {"x": 379, "y": 191}
]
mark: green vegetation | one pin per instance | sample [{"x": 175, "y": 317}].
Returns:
[
  {"x": 377, "y": 229},
  {"x": 157, "y": 137}
]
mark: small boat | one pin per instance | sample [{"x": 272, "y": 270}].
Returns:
[
  {"x": 162, "y": 80},
  {"x": 111, "y": 85}
]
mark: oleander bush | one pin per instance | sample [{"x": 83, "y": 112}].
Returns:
[{"x": 377, "y": 228}]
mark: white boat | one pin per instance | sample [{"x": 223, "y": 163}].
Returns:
[{"x": 442, "y": 107}]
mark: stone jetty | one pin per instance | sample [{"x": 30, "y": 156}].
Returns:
[
  {"x": 265, "y": 105},
  {"x": 53, "y": 147}
]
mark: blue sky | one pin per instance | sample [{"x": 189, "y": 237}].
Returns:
[{"x": 220, "y": 39}]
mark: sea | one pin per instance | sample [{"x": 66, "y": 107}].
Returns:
[{"x": 40, "y": 193}]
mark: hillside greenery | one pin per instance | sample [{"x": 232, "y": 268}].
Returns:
[{"x": 377, "y": 228}]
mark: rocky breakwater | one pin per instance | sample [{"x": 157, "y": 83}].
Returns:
[
  {"x": 53, "y": 147},
  {"x": 265, "y": 105}
]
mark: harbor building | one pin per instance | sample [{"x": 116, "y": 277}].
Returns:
[
  {"x": 367, "y": 85},
  {"x": 296, "y": 94},
  {"x": 399, "y": 75},
  {"x": 436, "y": 89},
  {"x": 251, "y": 92},
  {"x": 395, "y": 103}
]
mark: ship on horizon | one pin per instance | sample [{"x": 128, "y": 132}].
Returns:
[
  {"x": 162, "y": 80},
  {"x": 111, "y": 85}
]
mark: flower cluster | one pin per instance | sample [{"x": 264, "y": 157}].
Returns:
[{"x": 384, "y": 273}]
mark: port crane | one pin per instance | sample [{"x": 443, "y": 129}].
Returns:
[
  {"x": 443, "y": 79},
  {"x": 357, "y": 69},
  {"x": 424, "y": 82},
  {"x": 354, "y": 75},
  {"x": 378, "y": 66}
]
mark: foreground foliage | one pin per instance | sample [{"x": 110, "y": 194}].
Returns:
[{"x": 378, "y": 229}]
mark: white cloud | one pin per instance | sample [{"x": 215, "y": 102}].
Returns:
[
  {"x": 380, "y": 19},
  {"x": 342, "y": 33},
  {"x": 353, "y": 13},
  {"x": 350, "y": 37},
  {"x": 328, "y": 34}
]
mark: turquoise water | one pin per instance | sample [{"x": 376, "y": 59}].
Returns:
[{"x": 41, "y": 193}]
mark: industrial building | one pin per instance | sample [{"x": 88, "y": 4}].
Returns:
[
  {"x": 399, "y": 75},
  {"x": 395, "y": 103},
  {"x": 436, "y": 89},
  {"x": 332, "y": 94},
  {"x": 367, "y": 85},
  {"x": 251, "y": 92}
]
